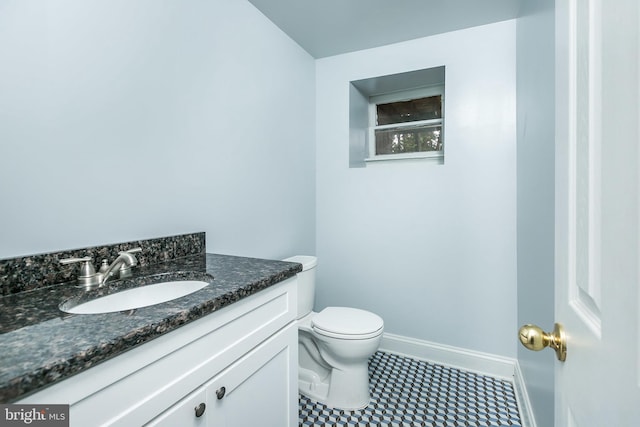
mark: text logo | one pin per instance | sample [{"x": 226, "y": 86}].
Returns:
[{"x": 12, "y": 415}]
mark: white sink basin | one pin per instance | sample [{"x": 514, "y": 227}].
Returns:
[{"x": 142, "y": 296}]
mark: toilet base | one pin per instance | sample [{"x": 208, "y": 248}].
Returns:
[
  {"x": 340, "y": 389},
  {"x": 311, "y": 385}
]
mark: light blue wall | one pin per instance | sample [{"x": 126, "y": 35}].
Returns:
[
  {"x": 536, "y": 147},
  {"x": 122, "y": 120},
  {"x": 431, "y": 248}
]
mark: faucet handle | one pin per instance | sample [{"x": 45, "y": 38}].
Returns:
[
  {"x": 66, "y": 261},
  {"x": 133, "y": 260},
  {"x": 125, "y": 268},
  {"x": 131, "y": 251},
  {"x": 87, "y": 276},
  {"x": 86, "y": 269}
]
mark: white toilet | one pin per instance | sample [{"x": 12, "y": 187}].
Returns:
[{"x": 334, "y": 346}]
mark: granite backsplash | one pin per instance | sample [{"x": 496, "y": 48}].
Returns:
[{"x": 37, "y": 271}]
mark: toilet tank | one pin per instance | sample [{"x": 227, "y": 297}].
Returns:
[{"x": 306, "y": 283}]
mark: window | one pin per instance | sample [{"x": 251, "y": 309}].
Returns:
[
  {"x": 406, "y": 124},
  {"x": 397, "y": 116}
]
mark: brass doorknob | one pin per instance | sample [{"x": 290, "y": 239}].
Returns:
[{"x": 534, "y": 338}]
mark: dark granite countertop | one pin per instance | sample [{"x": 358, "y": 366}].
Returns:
[{"x": 40, "y": 345}]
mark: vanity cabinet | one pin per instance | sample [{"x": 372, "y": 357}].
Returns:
[{"x": 236, "y": 367}]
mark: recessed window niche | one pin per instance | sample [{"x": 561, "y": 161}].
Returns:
[{"x": 364, "y": 95}]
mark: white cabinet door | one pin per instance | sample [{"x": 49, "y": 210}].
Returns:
[
  {"x": 260, "y": 389},
  {"x": 191, "y": 411}
]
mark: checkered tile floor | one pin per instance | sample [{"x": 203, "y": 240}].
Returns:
[{"x": 409, "y": 392}]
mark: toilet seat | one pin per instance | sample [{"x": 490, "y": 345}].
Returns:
[{"x": 347, "y": 323}]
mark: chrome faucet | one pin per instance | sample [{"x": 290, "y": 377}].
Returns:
[{"x": 89, "y": 279}]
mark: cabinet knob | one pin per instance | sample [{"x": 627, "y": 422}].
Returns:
[
  {"x": 220, "y": 392},
  {"x": 200, "y": 409}
]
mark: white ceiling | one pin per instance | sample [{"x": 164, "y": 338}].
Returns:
[{"x": 330, "y": 27}]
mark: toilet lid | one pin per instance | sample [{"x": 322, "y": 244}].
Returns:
[{"x": 346, "y": 321}]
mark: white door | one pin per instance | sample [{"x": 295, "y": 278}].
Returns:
[{"x": 597, "y": 212}]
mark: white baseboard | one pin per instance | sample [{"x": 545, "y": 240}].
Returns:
[
  {"x": 468, "y": 360},
  {"x": 526, "y": 411}
]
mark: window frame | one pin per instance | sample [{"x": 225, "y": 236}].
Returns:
[{"x": 398, "y": 96}]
